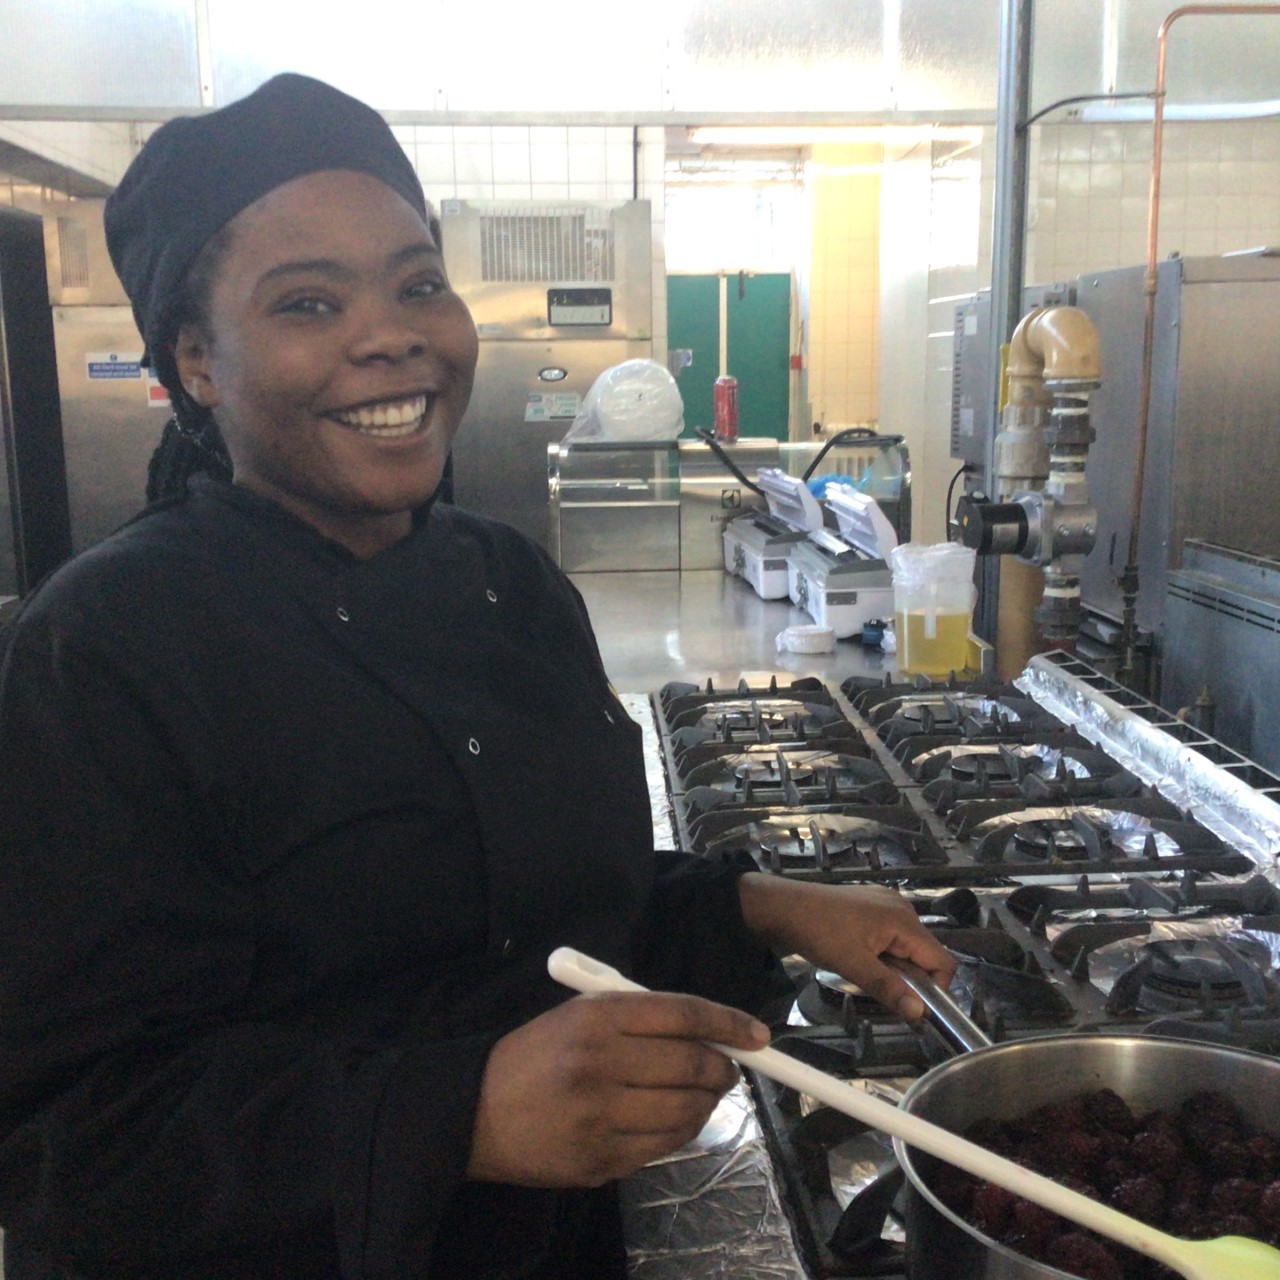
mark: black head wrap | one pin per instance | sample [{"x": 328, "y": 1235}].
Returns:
[{"x": 196, "y": 173}]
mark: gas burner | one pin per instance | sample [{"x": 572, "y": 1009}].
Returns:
[
  {"x": 1180, "y": 973},
  {"x": 898, "y": 712},
  {"x": 868, "y": 694},
  {"x": 779, "y": 768},
  {"x": 1050, "y": 838},
  {"x": 997, "y": 983},
  {"x": 870, "y": 839},
  {"x": 941, "y": 711},
  {"x": 796, "y": 846},
  {"x": 1186, "y": 896},
  {"x": 1137, "y": 833},
  {"x": 1206, "y": 973},
  {"x": 816, "y": 781},
  {"x": 694, "y": 745},
  {"x": 1064, "y": 765},
  {"x": 684, "y": 704},
  {"x": 758, "y": 719},
  {"x": 946, "y": 717},
  {"x": 973, "y": 764}
]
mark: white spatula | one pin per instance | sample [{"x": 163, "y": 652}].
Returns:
[{"x": 1226, "y": 1258}]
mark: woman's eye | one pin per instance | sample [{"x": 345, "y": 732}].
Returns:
[
  {"x": 425, "y": 288},
  {"x": 308, "y": 305}
]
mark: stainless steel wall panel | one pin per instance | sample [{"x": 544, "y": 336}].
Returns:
[
  {"x": 1209, "y": 59},
  {"x": 1212, "y": 466},
  {"x": 1226, "y": 459},
  {"x": 86, "y": 53},
  {"x": 1114, "y": 301},
  {"x": 1222, "y": 635}
]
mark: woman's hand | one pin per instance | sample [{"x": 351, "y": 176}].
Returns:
[
  {"x": 601, "y": 1085},
  {"x": 846, "y": 928}
]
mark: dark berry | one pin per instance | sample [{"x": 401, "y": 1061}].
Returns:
[
  {"x": 1109, "y": 1111},
  {"x": 1141, "y": 1197},
  {"x": 1085, "y": 1257}
]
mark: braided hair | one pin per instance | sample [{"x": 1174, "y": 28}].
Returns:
[{"x": 190, "y": 442}]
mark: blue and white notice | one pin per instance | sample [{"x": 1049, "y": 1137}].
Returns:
[{"x": 113, "y": 365}]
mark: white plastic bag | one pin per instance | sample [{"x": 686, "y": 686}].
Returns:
[
  {"x": 804, "y": 639},
  {"x": 634, "y": 400}
]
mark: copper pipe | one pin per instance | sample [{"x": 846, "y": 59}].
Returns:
[{"x": 1130, "y": 582}]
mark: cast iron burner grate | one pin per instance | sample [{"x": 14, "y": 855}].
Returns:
[
  {"x": 1134, "y": 833},
  {"x": 1038, "y": 772},
  {"x": 695, "y": 745},
  {"x": 795, "y": 780},
  {"x": 682, "y": 704},
  {"x": 827, "y": 773},
  {"x": 803, "y": 844}
]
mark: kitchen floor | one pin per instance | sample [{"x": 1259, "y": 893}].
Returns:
[{"x": 653, "y": 627}]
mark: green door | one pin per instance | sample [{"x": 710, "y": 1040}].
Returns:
[{"x": 758, "y": 330}]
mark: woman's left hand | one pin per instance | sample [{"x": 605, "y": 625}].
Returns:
[{"x": 847, "y": 928}]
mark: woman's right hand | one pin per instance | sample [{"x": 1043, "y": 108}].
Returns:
[{"x": 602, "y": 1085}]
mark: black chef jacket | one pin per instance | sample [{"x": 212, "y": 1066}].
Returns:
[{"x": 288, "y": 836}]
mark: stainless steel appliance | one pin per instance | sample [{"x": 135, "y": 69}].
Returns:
[
  {"x": 112, "y": 409},
  {"x": 34, "y": 525},
  {"x": 559, "y": 292},
  {"x": 1021, "y": 822}
]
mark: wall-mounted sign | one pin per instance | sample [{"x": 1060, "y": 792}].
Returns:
[
  {"x": 113, "y": 365},
  {"x": 544, "y": 407}
]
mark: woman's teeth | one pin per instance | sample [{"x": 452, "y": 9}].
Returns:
[{"x": 387, "y": 421}]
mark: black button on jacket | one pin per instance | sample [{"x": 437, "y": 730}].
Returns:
[{"x": 287, "y": 837}]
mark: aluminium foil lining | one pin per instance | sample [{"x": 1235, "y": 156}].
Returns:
[
  {"x": 711, "y": 1209},
  {"x": 1203, "y": 777},
  {"x": 638, "y": 707}
]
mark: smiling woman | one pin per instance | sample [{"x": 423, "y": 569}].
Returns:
[
  {"x": 337, "y": 380},
  {"x": 303, "y": 775}
]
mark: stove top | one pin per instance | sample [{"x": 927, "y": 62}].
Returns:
[{"x": 1076, "y": 897}]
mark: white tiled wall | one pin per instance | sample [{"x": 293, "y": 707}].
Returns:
[
  {"x": 843, "y": 188},
  {"x": 1090, "y": 184}
]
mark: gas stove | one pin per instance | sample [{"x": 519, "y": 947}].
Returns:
[{"x": 1042, "y": 851}]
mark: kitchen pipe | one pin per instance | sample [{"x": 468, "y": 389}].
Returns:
[
  {"x": 1041, "y": 513},
  {"x": 1008, "y": 242},
  {"x": 1129, "y": 577}
]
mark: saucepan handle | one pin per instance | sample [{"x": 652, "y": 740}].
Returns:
[{"x": 956, "y": 1027}]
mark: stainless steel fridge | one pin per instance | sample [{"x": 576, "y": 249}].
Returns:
[
  {"x": 560, "y": 292},
  {"x": 34, "y": 527},
  {"x": 112, "y": 408}
]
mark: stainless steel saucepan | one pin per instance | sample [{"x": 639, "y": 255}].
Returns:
[{"x": 1001, "y": 1082}]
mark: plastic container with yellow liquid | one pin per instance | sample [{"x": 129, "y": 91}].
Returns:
[{"x": 933, "y": 599}]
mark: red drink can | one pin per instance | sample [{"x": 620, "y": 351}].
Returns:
[{"x": 726, "y": 408}]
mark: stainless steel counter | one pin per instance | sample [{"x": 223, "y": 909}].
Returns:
[{"x": 658, "y": 626}]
